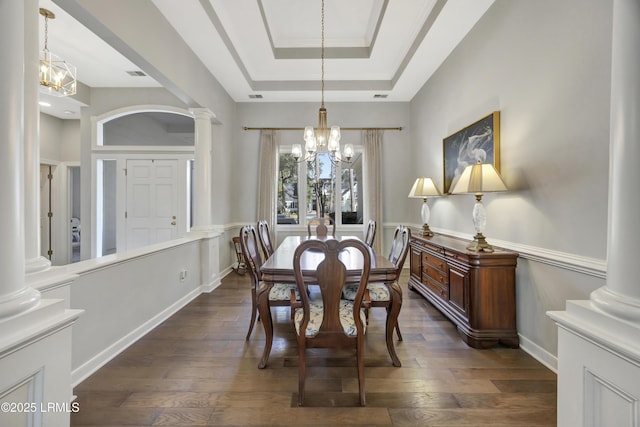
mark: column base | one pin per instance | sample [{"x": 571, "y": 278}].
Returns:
[
  {"x": 18, "y": 302},
  {"x": 36, "y": 265},
  {"x": 617, "y": 305}
]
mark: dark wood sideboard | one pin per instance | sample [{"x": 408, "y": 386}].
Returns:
[{"x": 475, "y": 290}]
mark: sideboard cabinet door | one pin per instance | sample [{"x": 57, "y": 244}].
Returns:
[{"x": 459, "y": 289}]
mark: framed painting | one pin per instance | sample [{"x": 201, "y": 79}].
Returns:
[{"x": 478, "y": 141}]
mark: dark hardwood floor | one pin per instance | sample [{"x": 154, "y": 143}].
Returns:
[{"x": 197, "y": 369}]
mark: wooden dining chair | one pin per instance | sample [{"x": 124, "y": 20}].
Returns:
[
  {"x": 330, "y": 321},
  {"x": 380, "y": 292},
  {"x": 264, "y": 235},
  {"x": 370, "y": 234},
  {"x": 321, "y": 227},
  {"x": 280, "y": 294}
]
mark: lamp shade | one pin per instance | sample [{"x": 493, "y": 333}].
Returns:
[
  {"x": 424, "y": 187},
  {"x": 479, "y": 178}
]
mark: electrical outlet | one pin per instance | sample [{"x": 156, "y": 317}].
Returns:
[{"x": 183, "y": 275}]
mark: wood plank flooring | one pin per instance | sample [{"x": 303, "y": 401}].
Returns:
[{"x": 197, "y": 369}]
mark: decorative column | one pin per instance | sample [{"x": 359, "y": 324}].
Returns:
[
  {"x": 598, "y": 347},
  {"x": 202, "y": 217},
  {"x": 621, "y": 295},
  {"x": 35, "y": 359},
  {"x": 202, "y": 169},
  {"x": 34, "y": 260},
  {"x": 15, "y": 296}
]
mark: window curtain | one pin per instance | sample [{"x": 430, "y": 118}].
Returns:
[
  {"x": 372, "y": 144},
  {"x": 267, "y": 177}
]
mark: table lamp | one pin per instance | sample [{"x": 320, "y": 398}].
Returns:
[
  {"x": 423, "y": 188},
  {"x": 479, "y": 178}
]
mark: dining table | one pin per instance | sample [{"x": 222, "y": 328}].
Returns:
[{"x": 278, "y": 268}]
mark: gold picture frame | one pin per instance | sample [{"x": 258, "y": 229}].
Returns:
[{"x": 478, "y": 141}]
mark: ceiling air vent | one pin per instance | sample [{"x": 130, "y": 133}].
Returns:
[
  {"x": 136, "y": 73},
  {"x": 380, "y": 95},
  {"x": 255, "y": 96}
]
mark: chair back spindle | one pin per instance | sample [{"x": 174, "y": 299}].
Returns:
[
  {"x": 370, "y": 234},
  {"x": 265, "y": 238}
]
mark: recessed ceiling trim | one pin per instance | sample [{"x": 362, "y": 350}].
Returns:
[
  {"x": 310, "y": 85},
  {"x": 329, "y": 52},
  {"x": 315, "y": 52},
  {"x": 428, "y": 23},
  {"x": 215, "y": 20}
]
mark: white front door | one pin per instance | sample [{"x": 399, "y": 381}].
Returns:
[{"x": 152, "y": 202}]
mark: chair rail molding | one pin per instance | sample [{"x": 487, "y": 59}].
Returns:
[{"x": 567, "y": 261}]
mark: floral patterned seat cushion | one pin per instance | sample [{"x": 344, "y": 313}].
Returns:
[
  {"x": 317, "y": 313},
  {"x": 282, "y": 292},
  {"x": 377, "y": 290}
]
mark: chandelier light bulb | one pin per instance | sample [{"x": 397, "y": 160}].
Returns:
[
  {"x": 308, "y": 132},
  {"x": 311, "y": 145},
  {"x": 334, "y": 145},
  {"x": 296, "y": 151},
  {"x": 348, "y": 151}
]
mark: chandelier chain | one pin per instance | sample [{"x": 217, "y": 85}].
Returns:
[
  {"x": 322, "y": 52},
  {"x": 46, "y": 32}
]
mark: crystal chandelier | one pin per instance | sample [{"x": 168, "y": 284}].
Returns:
[
  {"x": 322, "y": 139},
  {"x": 57, "y": 76}
]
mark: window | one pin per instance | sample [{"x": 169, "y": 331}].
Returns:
[
  {"x": 287, "y": 205},
  {"x": 320, "y": 193}
]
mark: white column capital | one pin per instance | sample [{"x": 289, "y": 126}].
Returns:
[{"x": 202, "y": 114}]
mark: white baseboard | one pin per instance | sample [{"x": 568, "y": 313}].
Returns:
[
  {"x": 224, "y": 273},
  {"x": 539, "y": 353},
  {"x": 208, "y": 287},
  {"x": 92, "y": 365}
]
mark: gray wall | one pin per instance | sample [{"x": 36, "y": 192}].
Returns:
[
  {"x": 545, "y": 65},
  {"x": 59, "y": 139}
]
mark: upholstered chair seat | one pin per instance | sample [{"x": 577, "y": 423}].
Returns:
[
  {"x": 378, "y": 291},
  {"x": 316, "y": 313},
  {"x": 282, "y": 292}
]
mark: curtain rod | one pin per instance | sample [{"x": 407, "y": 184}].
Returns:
[{"x": 341, "y": 128}]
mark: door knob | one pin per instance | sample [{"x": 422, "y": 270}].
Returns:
[{"x": 173, "y": 223}]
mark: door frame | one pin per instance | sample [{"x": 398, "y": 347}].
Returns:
[{"x": 121, "y": 193}]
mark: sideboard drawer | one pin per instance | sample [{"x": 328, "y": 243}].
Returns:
[
  {"x": 437, "y": 275},
  {"x": 437, "y": 288},
  {"x": 434, "y": 261}
]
